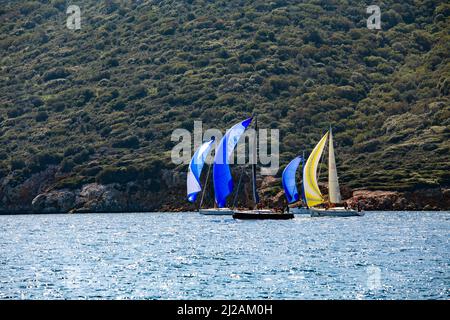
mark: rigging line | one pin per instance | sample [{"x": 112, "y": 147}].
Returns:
[
  {"x": 204, "y": 188},
  {"x": 238, "y": 187}
]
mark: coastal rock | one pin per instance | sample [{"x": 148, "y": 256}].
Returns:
[
  {"x": 429, "y": 199},
  {"x": 172, "y": 178},
  {"x": 268, "y": 182},
  {"x": 423, "y": 199},
  {"x": 91, "y": 192},
  {"x": 57, "y": 201},
  {"x": 17, "y": 197},
  {"x": 166, "y": 192},
  {"x": 100, "y": 198},
  {"x": 374, "y": 200}
]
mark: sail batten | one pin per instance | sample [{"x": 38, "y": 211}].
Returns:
[
  {"x": 223, "y": 182},
  {"x": 313, "y": 196},
  {"x": 333, "y": 183},
  {"x": 195, "y": 170}
]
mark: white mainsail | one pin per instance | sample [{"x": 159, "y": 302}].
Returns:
[{"x": 333, "y": 183}]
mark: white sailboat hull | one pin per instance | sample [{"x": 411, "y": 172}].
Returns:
[
  {"x": 335, "y": 212},
  {"x": 299, "y": 210},
  {"x": 216, "y": 212}
]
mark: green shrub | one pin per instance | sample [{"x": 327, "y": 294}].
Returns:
[
  {"x": 67, "y": 165},
  {"x": 118, "y": 105},
  {"x": 14, "y": 113},
  {"x": 117, "y": 175},
  {"x": 17, "y": 164},
  {"x": 81, "y": 157},
  {"x": 134, "y": 73},
  {"x": 41, "y": 116},
  {"x": 56, "y": 73},
  {"x": 131, "y": 142}
]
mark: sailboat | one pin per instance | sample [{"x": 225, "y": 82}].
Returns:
[
  {"x": 256, "y": 213},
  {"x": 223, "y": 182},
  {"x": 290, "y": 187},
  {"x": 311, "y": 189},
  {"x": 195, "y": 170}
]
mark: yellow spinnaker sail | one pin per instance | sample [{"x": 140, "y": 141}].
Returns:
[{"x": 311, "y": 188}]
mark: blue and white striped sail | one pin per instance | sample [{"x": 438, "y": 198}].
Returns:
[
  {"x": 288, "y": 180},
  {"x": 223, "y": 182},
  {"x": 195, "y": 170}
]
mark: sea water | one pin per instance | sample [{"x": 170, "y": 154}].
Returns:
[{"x": 383, "y": 255}]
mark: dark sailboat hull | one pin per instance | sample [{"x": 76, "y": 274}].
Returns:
[{"x": 262, "y": 216}]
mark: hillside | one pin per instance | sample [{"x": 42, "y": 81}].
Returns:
[{"x": 98, "y": 105}]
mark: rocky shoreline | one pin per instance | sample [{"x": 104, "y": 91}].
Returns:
[{"x": 36, "y": 195}]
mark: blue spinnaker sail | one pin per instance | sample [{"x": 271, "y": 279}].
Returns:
[
  {"x": 195, "y": 170},
  {"x": 288, "y": 180},
  {"x": 223, "y": 182}
]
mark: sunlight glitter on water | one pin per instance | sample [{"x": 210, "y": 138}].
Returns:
[{"x": 383, "y": 255}]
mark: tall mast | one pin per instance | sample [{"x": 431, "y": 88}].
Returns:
[
  {"x": 254, "y": 162},
  {"x": 204, "y": 188},
  {"x": 333, "y": 183},
  {"x": 302, "y": 189}
]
